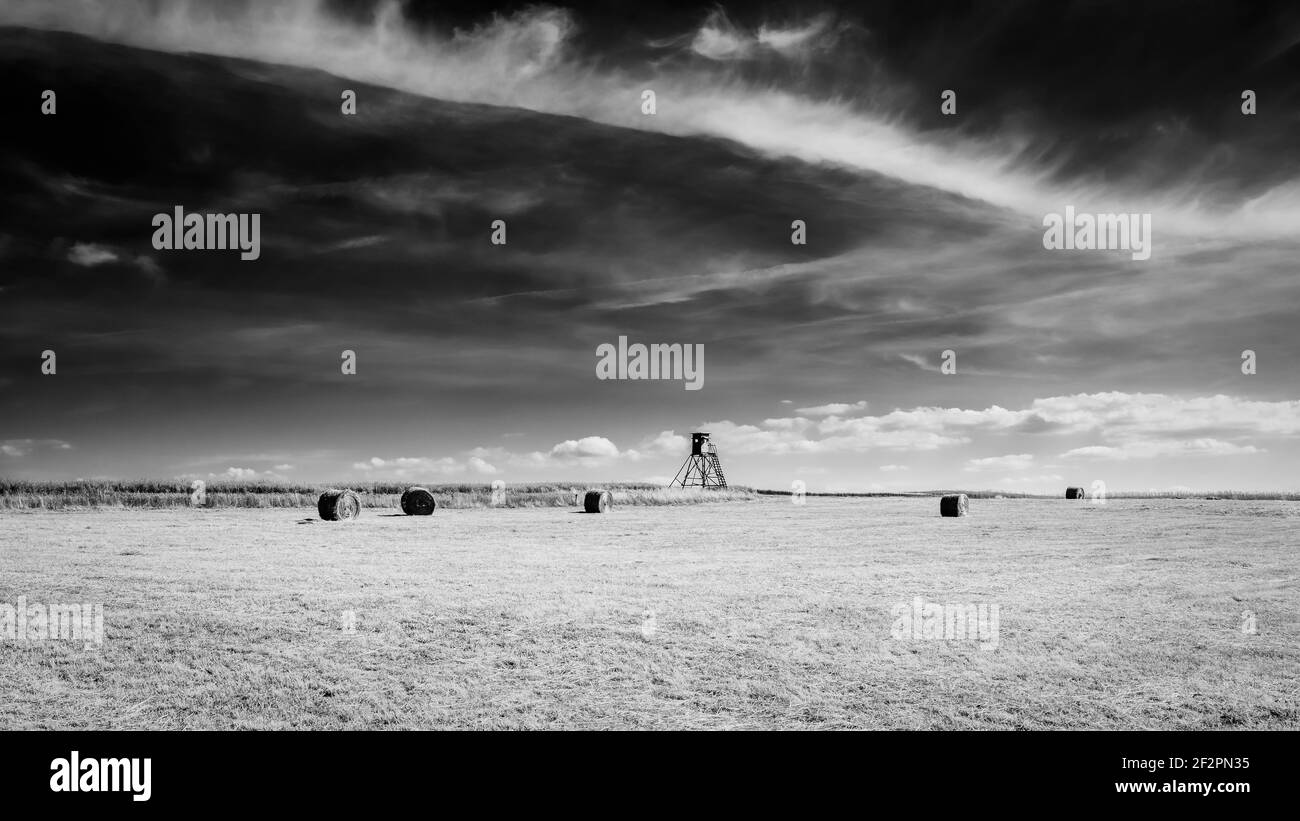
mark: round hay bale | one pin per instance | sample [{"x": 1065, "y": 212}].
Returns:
[
  {"x": 598, "y": 501},
  {"x": 1075, "y": 493},
  {"x": 957, "y": 505},
  {"x": 338, "y": 505},
  {"x": 418, "y": 501}
]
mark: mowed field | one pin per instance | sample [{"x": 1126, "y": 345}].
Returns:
[{"x": 745, "y": 615}]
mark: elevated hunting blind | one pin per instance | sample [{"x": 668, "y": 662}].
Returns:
[{"x": 702, "y": 468}]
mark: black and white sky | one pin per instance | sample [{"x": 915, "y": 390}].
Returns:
[{"x": 822, "y": 361}]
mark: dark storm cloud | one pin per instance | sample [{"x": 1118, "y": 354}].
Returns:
[
  {"x": 1128, "y": 103},
  {"x": 602, "y": 219}
]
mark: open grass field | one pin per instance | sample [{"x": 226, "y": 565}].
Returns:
[{"x": 745, "y": 614}]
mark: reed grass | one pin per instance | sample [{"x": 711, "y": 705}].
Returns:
[{"x": 26, "y": 495}]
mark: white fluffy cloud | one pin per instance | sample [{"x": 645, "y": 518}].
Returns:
[
  {"x": 1103, "y": 426},
  {"x": 1127, "y": 425},
  {"x": 585, "y": 453},
  {"x": 405, "y": 466},
  {"x": 1116, "y": 414},
  {"x": 477, "y": 464},
  {"x": 238, "y": 474},
  {"x": 88, "y": 255},
  {"x": 1013, "y": 461},
  {"x": 586, "y": 448}
]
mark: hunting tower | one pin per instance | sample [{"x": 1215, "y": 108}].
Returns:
[{"x": 702, "y": 468}]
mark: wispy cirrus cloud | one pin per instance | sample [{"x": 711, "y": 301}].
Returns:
[
  {"x": 1156, "y": 449},
  {"x": 834, "y": 409},
  {"x": 719, "y": 38},
  {"x": 531, "y": 59}
]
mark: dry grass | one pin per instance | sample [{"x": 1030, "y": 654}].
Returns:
[
  {"x": 20, "y": 495},
  {"x": 1209, "y": 495},
  {"x": 767, "y": 615}
]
